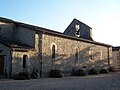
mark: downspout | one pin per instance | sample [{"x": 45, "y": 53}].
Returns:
[
  {"x": 41, "y": 53},
  {"x": 38, "y": 42},
  {"x": 108, "y": 57}
]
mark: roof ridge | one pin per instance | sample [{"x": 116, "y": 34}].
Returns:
[{"x": 6, "y": 20}]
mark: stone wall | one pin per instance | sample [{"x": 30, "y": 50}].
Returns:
[
  {"x": 17, "y": 33},
  {"x": 34, "y": 56},
  {"x": 31, "y": 62},
  {"x": 116, "y": 60},
  {"x": 89, "y": 55},
  {"x": 25, "y": 36},
  {"x": 6, "y": 30}
]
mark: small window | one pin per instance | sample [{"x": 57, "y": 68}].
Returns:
[
  {"x": 76, "y": 55},
  {"x": 91, "y": 54},
  {"x": 53, "y": 51},
  {"x": 24, "y": 61}
]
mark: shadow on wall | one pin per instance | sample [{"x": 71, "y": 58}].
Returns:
[{"x": 82, "y": 60}]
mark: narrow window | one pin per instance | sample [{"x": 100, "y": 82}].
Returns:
[
  {"x": 53, "y": 51},
  {"x": 76, "y": 56},
  {"x": 91, "y": 54},
  {"x": 24, "y": 61}
]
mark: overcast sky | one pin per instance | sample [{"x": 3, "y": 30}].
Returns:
[{"x": 102, "y": 15}]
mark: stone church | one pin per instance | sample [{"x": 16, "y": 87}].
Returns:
[{"x": 26, "y": 47}]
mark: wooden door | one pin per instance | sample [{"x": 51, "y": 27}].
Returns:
[{"x": 1, "y": 64}]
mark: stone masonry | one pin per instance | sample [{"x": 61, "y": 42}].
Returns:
[{"x": 65, "y": 58}]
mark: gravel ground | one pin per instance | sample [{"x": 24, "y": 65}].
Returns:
[{"x": 96, "y": 82}]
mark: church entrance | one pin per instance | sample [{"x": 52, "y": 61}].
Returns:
[{"x": 1, "y": 64}]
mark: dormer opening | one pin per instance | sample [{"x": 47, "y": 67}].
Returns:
[
  {"x": 77, "y": 27},
  {"x": 91, "y": 33}
]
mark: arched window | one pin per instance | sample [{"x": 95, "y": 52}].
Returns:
[
  {"x": 53, "y": 51},
  {"x": 25, "y": 61},
  {"x": 76, "y": 55},
  {"x": 91, "y": 54}
]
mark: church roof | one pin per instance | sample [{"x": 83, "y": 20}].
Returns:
[{"x": 51, "y": 32}]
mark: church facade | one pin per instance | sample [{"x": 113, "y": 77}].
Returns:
[{"x": 26, "y": 47}]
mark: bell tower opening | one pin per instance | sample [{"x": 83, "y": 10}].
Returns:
[{"x": 77, "y": 30}]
